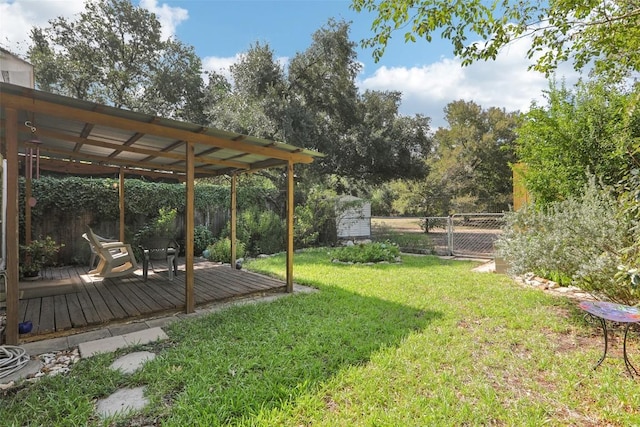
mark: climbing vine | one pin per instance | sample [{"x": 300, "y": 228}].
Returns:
[{"x": 100, "y": 195}]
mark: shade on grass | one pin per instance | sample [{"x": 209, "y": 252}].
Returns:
[{"x": 425, "y": 342}]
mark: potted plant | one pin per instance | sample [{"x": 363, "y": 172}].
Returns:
[{"x": 38, "y": 254}]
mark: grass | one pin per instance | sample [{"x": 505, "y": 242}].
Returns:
[{"x": 425, "y": 342}]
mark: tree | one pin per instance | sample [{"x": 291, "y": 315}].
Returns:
[
  {"x": 579, "y": 133},
  {"x": 322, "y": 91},
  {"x": 473, "y": 158},
  {"x": 255, "y": 104},
  {"x": 112, "y": 53},
  {"x": 386, "y": 145},
  {"x": 606, "y": 33},
  {"x": 363, "y": 136}
]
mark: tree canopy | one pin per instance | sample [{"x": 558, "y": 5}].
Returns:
[
  {"x": 588, "y": 130},
  {"x": 315, "y": 104},
  {"x": 473, "y": 158},
  {"x": 605, "y": 33},
  {"x": 113, "y": 53}
]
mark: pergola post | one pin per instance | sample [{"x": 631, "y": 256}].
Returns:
[
  {"x": 27, "y": 200},
  {"x": 290, "y": 211},
  {"x": 234, "y": 219},
  {"x": 190, "y": 300},
  {"x": 121, "y": 198},
  {"x": 12, "y": 255}
]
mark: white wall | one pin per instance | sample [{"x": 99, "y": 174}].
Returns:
[
  {"x": 355, "y": 220},
  {"x": 14, "y": 70}
]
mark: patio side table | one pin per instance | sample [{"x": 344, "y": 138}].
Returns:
[{"x": 613, "y": 312}]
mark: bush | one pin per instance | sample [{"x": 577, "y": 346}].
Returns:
[
  {"x": 316, "y": 220},
  {"x": 264, "y": 231},
  {"x": 367, "y": 252},
  {"x": 163, "y": 225},
  {"x": 37, "y": 255},
  {"x": 202, "y": 238},
  {"x": 576, "y": 241},
  {"x": 221, "y": 250}
]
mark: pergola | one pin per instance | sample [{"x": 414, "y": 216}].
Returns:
[{"x": 80, "y": 137}]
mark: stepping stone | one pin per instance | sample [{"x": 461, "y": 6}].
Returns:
[
  {"x": 110, "y": 344},
  {"x": 31, "y": 368},
  {"x": 122, "y": 402},
  {"x": 131, "y": 362}
]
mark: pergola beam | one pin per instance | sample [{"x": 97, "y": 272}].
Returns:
[
  {"x": 119, "y": 148},
  {"x": 103, "y": 119}
]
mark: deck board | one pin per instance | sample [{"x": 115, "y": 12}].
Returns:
[
  {"x": 61, "y": 313},
  {"x": 111, "y": 301},
  {"x": 76, "y": 316},
  {"x": 99, "y": 303},
  {"x": 95, "y": 302},
  {"x": 47, "y": 316}
]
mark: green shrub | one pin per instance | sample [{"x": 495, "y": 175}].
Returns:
[
  {"x": 264, "y": 231},
  {"x": 221, "y": 250},
  {"x": 367, "y": 252},
  {"x": 202, "y": 238},
  {"x": 316, "y": 219},
  {"x": 163, "y": 225},
  {"x": 38, "y": 254},
  {"x": 577, "y": 241}
]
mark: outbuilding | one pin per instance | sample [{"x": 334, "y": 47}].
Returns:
[{"x": 353, "y": 218}]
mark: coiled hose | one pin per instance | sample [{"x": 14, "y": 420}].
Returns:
[{"x": 12, "y": 359}]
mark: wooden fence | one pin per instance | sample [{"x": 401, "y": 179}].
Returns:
[{"x": 69, "y": 229}]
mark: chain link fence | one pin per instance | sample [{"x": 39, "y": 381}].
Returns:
[{"x": 465, "y": 234}]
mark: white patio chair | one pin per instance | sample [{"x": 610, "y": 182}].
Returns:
[{"x": 115, "y": 258}]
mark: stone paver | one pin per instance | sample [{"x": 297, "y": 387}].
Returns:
[
  {"x": 145, "y": 336},
  {"x": 131, "y": 362},
  {"x": 122, "y": 402},
  {"x": 104, "y": 345},
  {"x": 74, "y": 340},
  {"x": 32, "y": 367},
  {"x": 108, "y": 345},
  {"x": 46, "y": 346}
]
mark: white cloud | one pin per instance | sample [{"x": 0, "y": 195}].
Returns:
[
  {"x": 220, "y": 65},
  {"x": 504, "y": 83},
  {"x": 169, "y": 17},
  {"x": 17, "y": 17}
]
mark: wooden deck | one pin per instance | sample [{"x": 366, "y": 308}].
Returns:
[{"x": 66, "y": 300}]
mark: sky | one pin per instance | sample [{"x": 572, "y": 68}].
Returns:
[{"x": 427, "y": 74}]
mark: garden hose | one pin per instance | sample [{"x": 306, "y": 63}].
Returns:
[{"x": 12, "y": 359}]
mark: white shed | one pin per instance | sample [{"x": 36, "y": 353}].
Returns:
[{"x": 353, "y": 218}]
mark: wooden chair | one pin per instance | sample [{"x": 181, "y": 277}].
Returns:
[{"x": 115, "y": 258}]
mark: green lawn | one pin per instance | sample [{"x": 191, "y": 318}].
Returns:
[{"x": 426, "y": 342}]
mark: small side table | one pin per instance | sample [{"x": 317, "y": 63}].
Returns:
[{"x": 613, "y": 312}]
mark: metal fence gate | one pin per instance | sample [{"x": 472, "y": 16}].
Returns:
[{"x": 465, "y": 234}]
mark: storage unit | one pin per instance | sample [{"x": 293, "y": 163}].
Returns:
[{"x": 353, "y": 218}]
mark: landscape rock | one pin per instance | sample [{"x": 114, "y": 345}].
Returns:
[
  {"x": 122, "y": 402},
  {"x": 131, "y": 362}
]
